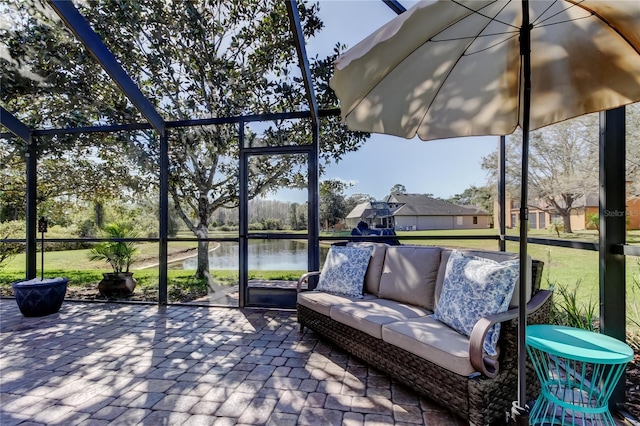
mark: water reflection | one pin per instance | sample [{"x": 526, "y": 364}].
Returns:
[{"x": 264, "y": 255}]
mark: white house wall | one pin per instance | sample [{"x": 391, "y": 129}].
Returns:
[
  {"x": 424, "y": 222},
  {"x": 406, "y": 222},
  {"x": 435, "y": 222},
  {"x": 440, "y": 222}
]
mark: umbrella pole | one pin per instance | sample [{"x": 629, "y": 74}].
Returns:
[{"x": 519, "y": 411}]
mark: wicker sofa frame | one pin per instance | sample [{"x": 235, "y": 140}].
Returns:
[{"x": 478, "y": 399}]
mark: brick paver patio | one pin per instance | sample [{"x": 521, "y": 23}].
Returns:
[{"x": 117, "y": 364}]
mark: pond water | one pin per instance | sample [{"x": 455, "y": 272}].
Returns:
[{"x": 264, "y": 255}]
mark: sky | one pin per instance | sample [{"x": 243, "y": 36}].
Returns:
[{"x": 442, "y": 168}]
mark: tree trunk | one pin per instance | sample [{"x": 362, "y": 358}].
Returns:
[
  {"x": 566, "y": 217},
  {"x": 202, "y": 271},
  {"x": 98, "y": 213},
  {"x": 564, "y": 210}
]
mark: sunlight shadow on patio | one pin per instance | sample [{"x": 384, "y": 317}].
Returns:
[{"x": 188, "y": 365}]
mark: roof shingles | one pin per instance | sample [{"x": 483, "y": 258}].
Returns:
[{"x": 422, "y": 205}]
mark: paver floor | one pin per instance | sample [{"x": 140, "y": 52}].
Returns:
[{"x": 123, "y": 364}]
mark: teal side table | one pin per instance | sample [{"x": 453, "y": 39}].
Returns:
[{"x": 578, "y": 370}]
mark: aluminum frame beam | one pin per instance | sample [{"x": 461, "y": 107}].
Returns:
[
  {"x": 31, "y": 246},
  {"x": 79, "y": 26},
  {"x": 183, "y": 123},
  {"x": 613, "y": 232},
  {"x": 395, "y": 6},
  {"x": 22, "y": 131},
  {"x": 163, "y": 234},
  {"x": 14, "y": 125},
  {"x": 502, "y": 191},
  {"x": 243, "y": 222},
  {"x": 303, "y": 60},
  {"x": 313, "y": 211},
  {"x": 313, "y": 194}
]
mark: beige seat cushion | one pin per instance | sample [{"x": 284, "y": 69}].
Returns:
[
  {"x": 409, "y": 275},
  {"x": 431, "y": 340},
  {"x": 498, "y": 256},
  {"x": 369, "y": 316},
  {"x": 374, "y": 270},
  {"x": 322, "y": 302}
]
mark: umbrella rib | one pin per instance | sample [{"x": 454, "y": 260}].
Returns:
[
  {"x": 561, "y": 22},
  {"x": 462, "y": 55},
  {"x": 472, "y": 38},
  {"x": 491, "y": 46},
  {"x": 545, "y": 11},
  {"x": 540, "y": 21},
  {"x": 487, "y": 16},
  {"x": 515, "y": 32}
]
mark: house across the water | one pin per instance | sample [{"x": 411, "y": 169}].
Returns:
[{"x": 417, "y": 212}]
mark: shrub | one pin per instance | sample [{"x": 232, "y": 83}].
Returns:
[
  {"x": 87, "y": 229},
  {"x": 557, "y": 226},
  {"x": 147, "y": 226},
  {"x": 567, "y": 311},
  {"x": 593, "y": 221},
  {"x": 10, "y": 230},
  {"x": 60, "y": 232},
  {"x": 272, "y": 224},
  {"x": 256, "y": 226}
]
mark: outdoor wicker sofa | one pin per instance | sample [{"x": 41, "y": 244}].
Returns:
[{"x": 391, "y": 327}]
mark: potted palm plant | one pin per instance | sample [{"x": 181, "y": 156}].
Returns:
[{"x": 120, "y": 255}]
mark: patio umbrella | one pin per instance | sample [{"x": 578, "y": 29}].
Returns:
[{"x": 454, "y": 68}]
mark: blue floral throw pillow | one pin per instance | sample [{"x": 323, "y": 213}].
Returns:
[
  {"x": 344, "y": 269},
  {"x": 473, "y": 288}
]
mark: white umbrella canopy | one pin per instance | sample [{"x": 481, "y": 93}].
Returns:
[{"x": 453, "y": 68}]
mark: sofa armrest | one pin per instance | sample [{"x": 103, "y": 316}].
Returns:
[
  {"x": 486, "y": 365},
  {"x": 304, "y": 278}
]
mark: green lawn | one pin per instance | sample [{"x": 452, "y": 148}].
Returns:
[{"x": 563, "y": 266}]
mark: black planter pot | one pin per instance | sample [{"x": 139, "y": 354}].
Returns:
[
  {"x": 117, "y": 284},
  {"x": 37, "y": 298}
]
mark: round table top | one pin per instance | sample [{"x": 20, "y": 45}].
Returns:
[{"x": 578, "y": 344}]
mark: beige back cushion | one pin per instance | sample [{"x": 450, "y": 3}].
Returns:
[
  {"x": 374, "y": 270},
  {"x": 409, "y": 275},
  {"x": 498, "y": 256}
]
